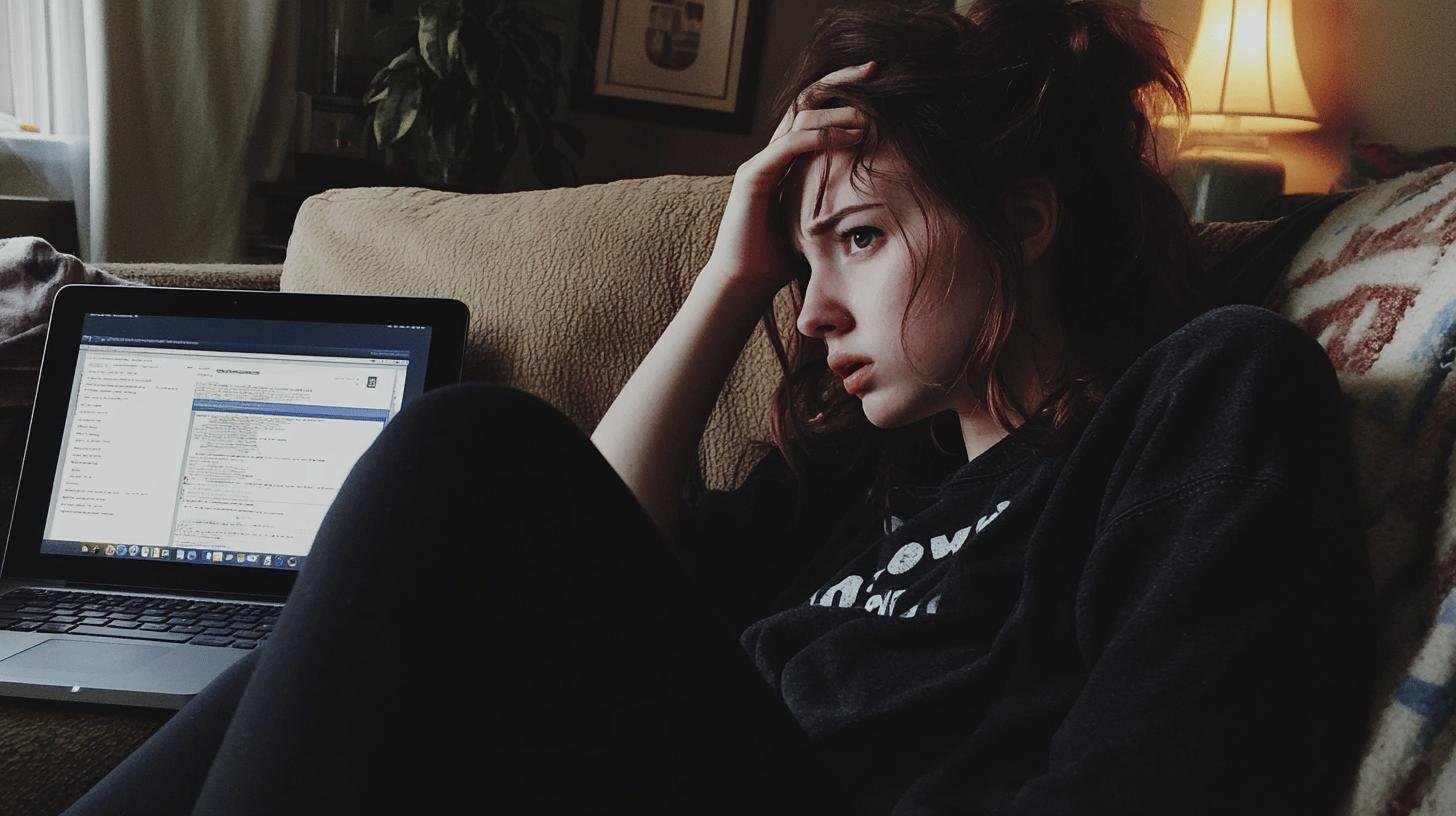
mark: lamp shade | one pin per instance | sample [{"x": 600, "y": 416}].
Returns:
[{"x": 1243, "y": 73}]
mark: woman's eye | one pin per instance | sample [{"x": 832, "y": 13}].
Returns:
[{"x": 860, "y": 238}]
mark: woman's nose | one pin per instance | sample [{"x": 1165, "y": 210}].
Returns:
[{"x": 822, "y": 313}]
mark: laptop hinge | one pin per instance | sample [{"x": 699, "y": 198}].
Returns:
[{"x": 141, "y": 590}]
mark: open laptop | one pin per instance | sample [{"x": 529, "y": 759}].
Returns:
[{"x": 183, "y": 448}]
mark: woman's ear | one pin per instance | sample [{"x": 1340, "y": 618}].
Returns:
[{"x": 1031, "y": 208}]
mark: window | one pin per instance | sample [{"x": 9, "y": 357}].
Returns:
[
  {"x": 42, "y": 67},
  {"x": 8, "y": 121}
]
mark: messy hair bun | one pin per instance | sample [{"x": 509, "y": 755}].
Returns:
[
  {"x": 1066, "y": 90},
  {"x": 1094, "y": 77}
]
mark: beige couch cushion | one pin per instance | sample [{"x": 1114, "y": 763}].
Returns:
[{"x": 568, "y": 288}]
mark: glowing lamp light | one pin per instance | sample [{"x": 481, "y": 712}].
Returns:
[{"x": 1243, "y": 81}]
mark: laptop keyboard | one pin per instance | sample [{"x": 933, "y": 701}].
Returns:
[{"x": 173, "y": 620}]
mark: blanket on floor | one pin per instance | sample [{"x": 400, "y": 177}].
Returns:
[{"x": 31, "y": 272}]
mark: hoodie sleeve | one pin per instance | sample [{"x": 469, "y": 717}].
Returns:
[
  {"x": 738, "y": 545},
  {"x": 1225, "y": 612},
  {"x": 1227, "y": 627}
]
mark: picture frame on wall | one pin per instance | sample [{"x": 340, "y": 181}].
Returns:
[{"x": 691, "y": 63}]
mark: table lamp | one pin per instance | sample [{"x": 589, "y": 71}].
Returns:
[{"x": 1244, "y": 82}]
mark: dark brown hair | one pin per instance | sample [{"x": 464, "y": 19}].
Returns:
[{"x": 974, "y": 102}]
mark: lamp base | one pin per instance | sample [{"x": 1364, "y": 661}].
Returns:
[{"x": 1226, "y": 183}]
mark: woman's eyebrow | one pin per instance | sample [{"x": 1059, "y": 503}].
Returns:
[{"x": 828, "y": 223}]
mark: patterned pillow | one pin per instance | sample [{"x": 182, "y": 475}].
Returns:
[{"x": 1376, "y": 285}]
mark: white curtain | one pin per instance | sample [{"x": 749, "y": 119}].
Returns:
[
  {"x": 43, "y": 70},
  {"x": 171, "y": 110},
  {"x": 43, "y": 78}
]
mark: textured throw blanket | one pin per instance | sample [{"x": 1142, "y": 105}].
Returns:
[
  {"x": 31, "y": 272},
  {"x": 1376, "y": 285}
]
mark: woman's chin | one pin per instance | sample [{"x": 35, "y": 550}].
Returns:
[
  {"x": 886, "y": 413},
  {"x": 880, "y": 412}
]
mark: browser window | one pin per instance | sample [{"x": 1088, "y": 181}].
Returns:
[{"x": 219, "y": 441}]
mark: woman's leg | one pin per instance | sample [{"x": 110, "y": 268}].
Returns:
[
  {"x": 163, "y": 776},
  {"x": 487, "y": 618}
]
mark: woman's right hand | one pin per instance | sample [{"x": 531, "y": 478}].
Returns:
[{"x": 753, "y": 247}]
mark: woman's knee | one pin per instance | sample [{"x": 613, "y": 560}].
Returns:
[
  {"x": 482, "y": 414},
  {"x": 475, "y": 438},
  {"x": 473, "y": 398}
]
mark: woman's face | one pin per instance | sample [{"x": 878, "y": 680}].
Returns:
[{"x": 861, "y": 278}]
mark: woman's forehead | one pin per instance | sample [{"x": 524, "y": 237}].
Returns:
[{"x": 801, "y": 185}]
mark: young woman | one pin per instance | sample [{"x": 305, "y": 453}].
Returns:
[{"x": 1040, "y": 531}]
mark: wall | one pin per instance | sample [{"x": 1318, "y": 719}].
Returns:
[
  {"x": 1381, "y": 71},
  {"x": 1376, "y": 71},
  {"x": 618, "y": 147}
]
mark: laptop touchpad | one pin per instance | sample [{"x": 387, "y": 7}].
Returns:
[{"x": 80, "y": 659}]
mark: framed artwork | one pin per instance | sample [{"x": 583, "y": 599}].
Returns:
[{"x": 692, "y": 63}]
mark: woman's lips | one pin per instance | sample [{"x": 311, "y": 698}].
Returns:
[{"x": 856, "y": 379}]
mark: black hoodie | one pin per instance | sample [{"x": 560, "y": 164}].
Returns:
[{"x": 1172, "y": 615}]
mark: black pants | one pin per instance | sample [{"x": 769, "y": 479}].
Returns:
[{"x": 488, "y": 622}]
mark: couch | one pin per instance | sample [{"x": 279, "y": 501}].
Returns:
[{"x": 569, "y": 288}]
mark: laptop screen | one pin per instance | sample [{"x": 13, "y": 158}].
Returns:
[{"x": 219, "y": 441}]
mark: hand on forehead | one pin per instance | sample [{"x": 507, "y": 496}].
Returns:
[{"x": 800, "y": 188}]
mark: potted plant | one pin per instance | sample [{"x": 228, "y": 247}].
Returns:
[{"x": 476, "y": 77}]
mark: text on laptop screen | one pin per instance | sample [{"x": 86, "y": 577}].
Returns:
[{"x": 217, "y": 440}]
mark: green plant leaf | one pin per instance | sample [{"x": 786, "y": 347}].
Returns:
[
  {"x": 585, "y": 52},
  {"x": 510, "y": 70},
  {"x": 377, "y": 87},
  {"x": 465, "y": 135},
  {"x": 573, "y": 137},
  {"x": 514, "y": 110},
  {"x": 494, "y": 64},
  {"x": 531, "y": 124},
  {"x": 508, "y": 148},
  {"x": 507, "y": 123},
  {"x": 377, "y": 83},
  {"x": 530, "y": 50},
  {"x": 528, "y": 78},
  {"x": 537, "y": 55},
  {"x": 563, "y": 85},
  {"x": 510, "y": 15},
  {"x": 541, "y": 14},
  {"x": 485, "y": 133},
  {"x": 400, "y": 105},
  {"x": 405, "y": 58},
  {"x": 469, "y": 63},
  {"x": 484, "y": 136},
  {"x": 547, "y": 165},
  {"x": 553, "y": 45},
  {"x": 438, "y": 20},
  {"x": 442, "y": 137},
  {"x": 396, "y": 115},
  {"x": 481, "y": 78}
]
